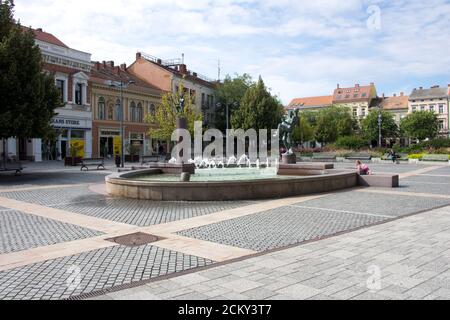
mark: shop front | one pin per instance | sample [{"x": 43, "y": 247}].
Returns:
[
  {"x": 73, "y": 139},
  {"x": 109, "y": 143}
]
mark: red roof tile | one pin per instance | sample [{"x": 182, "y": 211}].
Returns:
[
  {"x": 320, "y": 101},
  {"x": 46, "y": 37}
]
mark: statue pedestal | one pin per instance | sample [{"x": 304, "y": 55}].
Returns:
[{"x": 288, "y": 159}]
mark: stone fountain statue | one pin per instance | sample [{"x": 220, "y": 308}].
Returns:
[{"x": 286, "y": 128}]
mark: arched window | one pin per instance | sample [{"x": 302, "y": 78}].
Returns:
[
  {"x": 117, "y": 110},
  {"x": 139, "y": 113},
  {"x": 133, "y": 111},
  {"x": 101, "y": 108},
  {"x": 110, "y": 110},
  {"x": 152, "y": 110}
]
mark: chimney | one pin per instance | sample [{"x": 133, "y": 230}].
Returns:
[
  {"x": 395, "y": 94},
  {"x": 123, "y": 66},
  {"x": 420, "y": 88},
  {"x": 194, "y": 74},
  {"x": 138, "y": 55},
  {"x": 372, "y": 84},
  {"x": 183, "y": 69},
  {"x": 39, "y": 29},
  {"x": 402, "y": 94},
  {"x": 435, "y": 86},
  {"x": 110, "y": 64},
  {"x": 97, "y": 65},
  {"x": 338, "y": 85},
  {"x": 104, "y": 64},
  {"x": 159, "y": 61},
  {"x": 384, "y": 96},
  {"x": 357, "y": 85}
]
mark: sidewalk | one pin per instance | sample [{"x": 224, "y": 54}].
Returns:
[{"x": 405, "y": 259}]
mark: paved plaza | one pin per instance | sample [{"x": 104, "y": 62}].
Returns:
[{"x": 56, "y": 224}]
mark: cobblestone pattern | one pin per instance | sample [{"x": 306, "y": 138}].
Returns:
[
  {"x": 97, "y": 270},
  {"x": 421, "y": 187},
  {"x": 427, "y": 179},
  {"x": 135, "y": 212},
  {"x": 144, "y": 213},
  {"x": 374, "y": 203},
  {"x": 412, "y": 255},
  {"x": 21, "y": 231},
  {"x": 280, "y": 227},
  {"x": 54, "y": 196},
  {"x": 29, "y": 179},
  {"x": 378, "y": 167}
]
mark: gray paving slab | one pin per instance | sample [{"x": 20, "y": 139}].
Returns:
[
  {"x": 92, "y": 271},
  {"x": 375, "y": 203},
  {"x": 280, "y": 227},
  {"x": 21, "y": 231}
]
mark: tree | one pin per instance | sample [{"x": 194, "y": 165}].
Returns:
[
  {"x": 163, "y": 122},
  {"x": 305, "y": 131},
  {"x": 370, "y": 130},
  {"x": 28, "y": 96},
  {"x": 230, "y": 93},
  {"x": 420, "y": 125},
  {"x": 258, "y": 109},
  {"x": 333, "y": 122}
]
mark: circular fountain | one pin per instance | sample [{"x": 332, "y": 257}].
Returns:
[{"x": 232, "y": 179}]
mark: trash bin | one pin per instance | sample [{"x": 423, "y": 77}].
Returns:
[{"x": 117, "y": 160}]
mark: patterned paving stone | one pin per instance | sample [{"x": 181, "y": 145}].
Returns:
[
  {"x": 280, "y": 227},
  {"x": 444, "y": 170},
  {"x": 21, "y": 231},
  {"x": 375, "y": 203},
  {"x": 421, "y": 187},
  {"x": 28, "y": 179},
  {"x": 145, "y": 213},
  {"x": 378, "y": 167},
  {"x": 92, "y": 271},
  {"x": 54, "y": 196},
  {"x": 427, "y": 179}
]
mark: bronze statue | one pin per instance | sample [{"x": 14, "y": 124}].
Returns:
[{"x": 286, "y": 128}]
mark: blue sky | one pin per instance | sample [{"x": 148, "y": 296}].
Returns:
[{"x": 300, "y": 48}]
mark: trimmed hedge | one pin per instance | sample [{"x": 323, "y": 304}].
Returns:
[{"x": 351, "y": 142}]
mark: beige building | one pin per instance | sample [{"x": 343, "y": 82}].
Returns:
[
  {"x": 397, "y": 105},
  {"x": 139, "y": 99},
  {"x": 434, "y": 100},
  {"x": 358, "y": 99},
  {"x": 169, "y": 75}
]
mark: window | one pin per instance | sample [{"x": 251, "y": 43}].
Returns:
[
  {"x": 355, "y": 95},
  {"x": 101, "y": 109},
  {"x": 355, "y": 112},
  {"x": 60, "y": 86},
  {"x": 193, "y": 95},
  {"x": 414, "y": 108},
  {"x": 203, "y": 100},
  {"x": 152, "y": 110},
  {"x": 110, "y": 111},
  {"x": 139, "y": 113},
  {"x": 441, "y": 124},
  {"x": 133, "y": 112},
  {"x": 79, "y": 94},
  {"x": 441, "y": 108},
  {"x": 364, "y": 95},
  {"x": 363, "y": 112},
  {"x": 117, "y": 110},
  {"x": 77, "y": 134},
  {"x": 422, "y": 107},
  {"x": 347, "y": 96},
  {"x": 432, "y": 108}
]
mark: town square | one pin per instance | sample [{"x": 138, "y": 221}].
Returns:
[{"x": 142, "y": 179}]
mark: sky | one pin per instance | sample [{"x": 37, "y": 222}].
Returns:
[{"x": 301, "y": 48}]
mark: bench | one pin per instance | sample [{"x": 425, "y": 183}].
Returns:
[
  {"x": 358, "y": 156},
  {"x": 435, "y": 157},
  {"x": 153, "y": 159},
  {"x": 13, "y": 166},
  {"x": 99, "y": 162},
  {"x": 379, "y": 180},
  {"x": 324, "y": 157}
]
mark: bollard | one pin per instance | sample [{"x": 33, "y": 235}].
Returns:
[{"x": 185, "y": 177}]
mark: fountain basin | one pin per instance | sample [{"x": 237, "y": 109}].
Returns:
[{"x": 153, "y": 184}]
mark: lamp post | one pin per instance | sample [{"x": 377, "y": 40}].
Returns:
[
  {"x": 380, "y": 121},
  {"x": 235, "y": 105},
  {"x": 121, "y": 85}
]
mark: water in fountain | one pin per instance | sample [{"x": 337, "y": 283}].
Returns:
[
  {"x": 244, "y": 159},
  {"x": 231, "y": 161}
]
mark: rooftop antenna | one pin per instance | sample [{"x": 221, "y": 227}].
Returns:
[
  {"x": 182, "y": 58},
  {"x": 218, "y": 70}
]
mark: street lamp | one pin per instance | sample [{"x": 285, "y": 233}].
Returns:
[
  {"x": 121, "y": 85},
  {"x": 380, "y": 121},
  {"x": 235, "y": 105}
]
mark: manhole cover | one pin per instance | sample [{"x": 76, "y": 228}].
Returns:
[{"x": 135, "y": 239}]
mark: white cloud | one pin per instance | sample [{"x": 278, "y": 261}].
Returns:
[{"x": 300, "y": 47}]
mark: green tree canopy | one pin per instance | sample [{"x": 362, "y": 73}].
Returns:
[
  {"x": 305, "y": 131},
  {"x": 258, "y": 109},
  {"x": 28, "y": 96},
  {"x": 230, "y": 93},
  {"x": 420, "y": 125},
  {"x": 333, "y": 122},
  {"x": 163, "y": 122},
  {"x": 369, "y": 126}
]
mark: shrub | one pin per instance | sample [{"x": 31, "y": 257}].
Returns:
[
  {"x": 351, "y": 142},
  {"x": 416, "y": 156}
]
